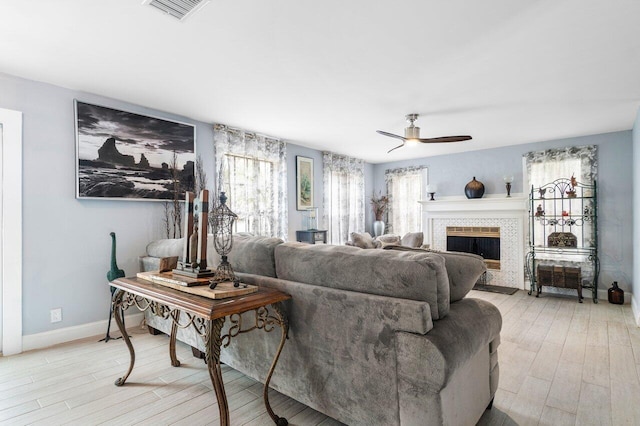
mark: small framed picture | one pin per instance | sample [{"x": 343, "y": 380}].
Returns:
[{"x": 304, "y": 183}]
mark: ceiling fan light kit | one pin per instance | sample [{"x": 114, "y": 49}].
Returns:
[{"x": 412, "y": 134}]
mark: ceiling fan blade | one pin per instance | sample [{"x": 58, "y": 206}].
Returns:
[
  {"x": 390, "y": 135},
  {"x": 445, "y": 139},
  {"x": 392, "y": 149}
]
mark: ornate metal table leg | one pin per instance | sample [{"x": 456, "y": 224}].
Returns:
[
  {"x": 284, "y": 325},
  {"x": 212, "y": 344},
  {"x": 172, "y": 341},
  {"x": 118, "y": 313}
]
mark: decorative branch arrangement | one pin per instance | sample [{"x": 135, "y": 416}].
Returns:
[
  {"x": 173, "y": 208},
  {"x": 379, "y": 203},
  {"x": 201, "y": 176}
]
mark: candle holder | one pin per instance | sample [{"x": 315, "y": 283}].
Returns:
[
  {"x": 431, "y": 191},
  {"x": 508, "y": 180},
  {"x": 310, "y": 219},
  {"x": 222, "y": 219}
]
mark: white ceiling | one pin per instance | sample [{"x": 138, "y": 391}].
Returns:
[{"x": 328, "y": 74}]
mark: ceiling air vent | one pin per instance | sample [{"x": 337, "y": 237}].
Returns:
[{"x": 179, "y": 9}]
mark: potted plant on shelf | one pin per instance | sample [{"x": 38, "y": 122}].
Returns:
[{"x": 379, "y": 203}]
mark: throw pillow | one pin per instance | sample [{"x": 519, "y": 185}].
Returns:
[
  {"x": 412, "y": 239},
  {"x": 388, "y": 239},
  {"x": 363, "y": 240}
]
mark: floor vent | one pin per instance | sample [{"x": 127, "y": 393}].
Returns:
[{"x": 179, "y": 9}]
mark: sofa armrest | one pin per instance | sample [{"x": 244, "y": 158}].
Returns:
[{"x": 429, "y": 361}]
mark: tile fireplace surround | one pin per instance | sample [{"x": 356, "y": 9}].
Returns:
[{"x": 508, "y": 214}]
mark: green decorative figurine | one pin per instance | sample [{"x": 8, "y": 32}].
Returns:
[{"x": 113, "y": 273}]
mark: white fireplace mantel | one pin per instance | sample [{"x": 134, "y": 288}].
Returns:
[
  {"x": 488, "y": 206},
  {"x": 508, "y": 213}
]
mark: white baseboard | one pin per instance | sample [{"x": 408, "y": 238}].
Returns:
[
  {"x": 586, "y": 293},
  {"x": 62, "y": 335},
  {"x": 635, "y": 308}
]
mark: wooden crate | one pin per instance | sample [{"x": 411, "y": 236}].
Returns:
[
  {"x": 572, "y": 277},
  {"x": 559, "y": 276},
  {"x": 545, "y": 275}
]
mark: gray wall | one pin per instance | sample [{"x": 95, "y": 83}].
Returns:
[
  {"x": 66, "y": 241},
  {"x": 636, "y": 217},
  {"x": 452, "y": 172}
]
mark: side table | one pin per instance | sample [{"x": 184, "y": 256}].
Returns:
[
  {"x": 311, "y": 236},
  {"x": 206, "y": 316}
]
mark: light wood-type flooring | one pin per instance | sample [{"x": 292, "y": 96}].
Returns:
[{"x": 561, "y": 363}]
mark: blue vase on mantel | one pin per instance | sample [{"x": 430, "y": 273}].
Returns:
[{"x": 378, "y": 228}]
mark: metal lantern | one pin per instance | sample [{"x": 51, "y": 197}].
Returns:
[{"x": 221, "y": 220}]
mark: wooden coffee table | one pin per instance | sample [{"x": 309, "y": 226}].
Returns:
[{"x": 206, "y": 316}]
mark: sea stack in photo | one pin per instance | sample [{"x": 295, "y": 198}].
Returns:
[
  {"x": 110, "y": 154},
  {"x": 144, "y": 163}
]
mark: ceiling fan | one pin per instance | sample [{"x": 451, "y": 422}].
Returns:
[{"x": 412, "y": 134}]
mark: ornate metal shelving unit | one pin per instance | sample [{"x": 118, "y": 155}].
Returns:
[{"x": 563, "y": 232}]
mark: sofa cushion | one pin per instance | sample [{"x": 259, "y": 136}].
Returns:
[
  {"x": 416, "y": 276},
  {"x": 252, "y": 254},
  {"x": 463, "y": 269},
  {"x": 412, "y": 239},
  {"x": 363, "y": 240}
]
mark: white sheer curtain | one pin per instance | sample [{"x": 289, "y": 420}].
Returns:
[
  {"x": 545, "y": 167},
  {"x": 252, "y": 170},
  {"x": 405, "y": 189},
  {"x": 343, "y": 196}
]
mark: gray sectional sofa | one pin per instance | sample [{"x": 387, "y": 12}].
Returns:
[{"x": 377, "y": 337}]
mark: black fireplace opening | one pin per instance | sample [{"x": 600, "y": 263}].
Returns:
[{"x": 487, "y": 247}]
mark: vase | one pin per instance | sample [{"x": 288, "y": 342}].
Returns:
[
  {"x": 616, "y": 294},
  {"x": 474, "y": 189},
  {"x": 378, "y": 228}
]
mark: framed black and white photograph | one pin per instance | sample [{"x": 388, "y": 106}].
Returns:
[
  {"x": 304, "y": 183},
  {"x": 127, "y": 156}
]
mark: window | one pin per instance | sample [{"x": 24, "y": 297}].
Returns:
[
  {"x": 544, "y": 167},
  {"x": 248, "y": 181},
  {"x": 343, "y": 196},
  {"x": 251, "y": 169},
  {"x": 405, "y": 189}
]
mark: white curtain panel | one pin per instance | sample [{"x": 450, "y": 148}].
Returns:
[
  {"x": 544, "y": 167},
  {"x": 343, "y": 196},
  {"x": 405, "y": 189},
  {"x": 252, "y": 170}
]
